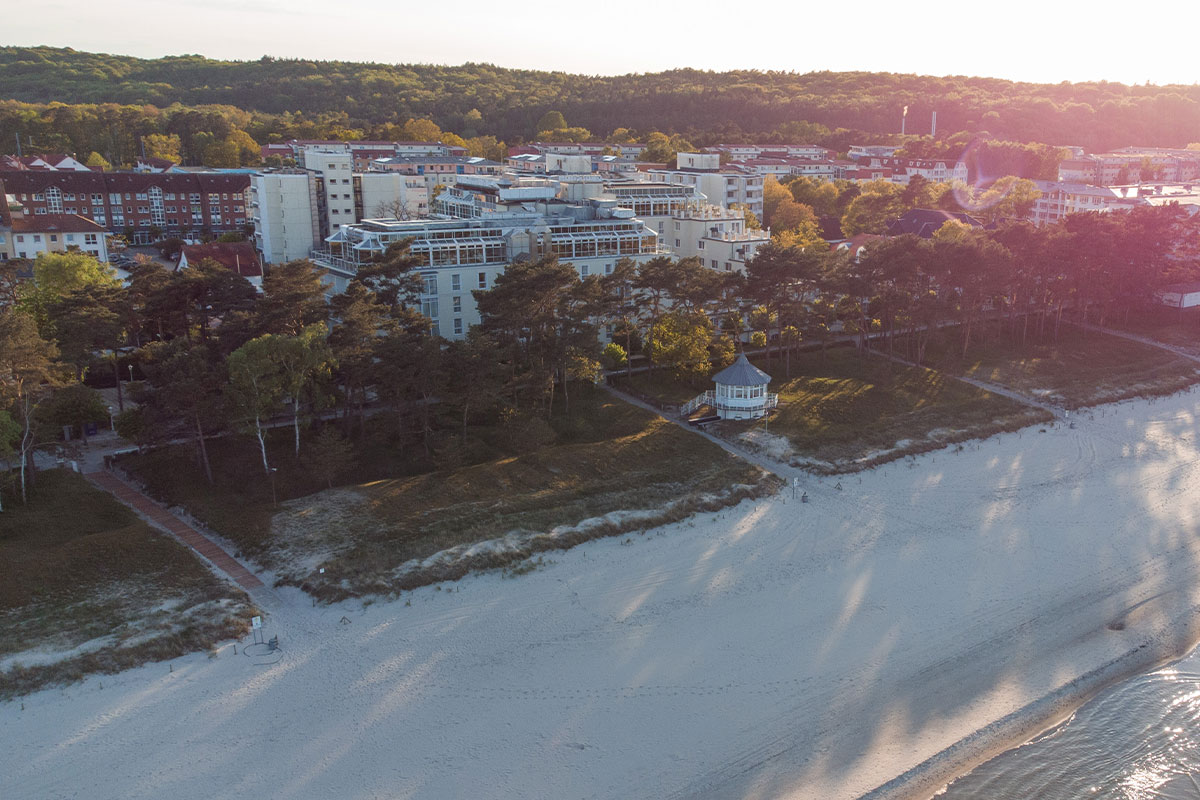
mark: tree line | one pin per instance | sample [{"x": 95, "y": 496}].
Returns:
[
  {"x": 212, "y": 355},
  {"x": 482, "y": 99}
]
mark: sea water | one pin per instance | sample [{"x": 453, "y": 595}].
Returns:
[{"x": 1137, "y": 740}]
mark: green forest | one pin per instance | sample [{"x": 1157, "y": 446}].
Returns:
[{"x": 284, "y": 97}]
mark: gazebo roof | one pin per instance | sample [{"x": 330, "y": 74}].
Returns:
[{"x": 742, "y": 373}]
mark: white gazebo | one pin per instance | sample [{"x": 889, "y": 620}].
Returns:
[{"x": 741, "y": 393}]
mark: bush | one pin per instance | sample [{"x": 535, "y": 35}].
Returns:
[{"x": 614, "y": 356}]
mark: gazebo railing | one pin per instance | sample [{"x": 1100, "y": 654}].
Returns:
[
  {"x": 769, "y": 401},
  {"x": 705, "y": 399}
]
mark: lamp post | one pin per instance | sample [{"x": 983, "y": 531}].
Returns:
[
  {"x": 274, "y": 498},
  {"x": 112, "y": 425}
]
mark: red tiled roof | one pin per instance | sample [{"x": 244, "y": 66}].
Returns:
[
  {"x": 34, "y": 181},
  {"x": 239, "y": 257},
  {"x": 55, "y": 223}
]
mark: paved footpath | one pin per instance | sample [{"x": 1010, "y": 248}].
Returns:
[{"x": 161, "y": 517}]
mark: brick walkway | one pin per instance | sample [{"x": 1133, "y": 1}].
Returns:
[{"x": 177, "y": 527}]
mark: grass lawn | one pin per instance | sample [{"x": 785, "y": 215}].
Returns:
[
  {"x": 839, "y": 412},
  {"x": 1166, "y": 325},
  {"x": 607, "y": 457},
  {"x": 89, "y": 587},
  {"x": 660, "y": 386},
  {"x": 1082, "y": 368}
]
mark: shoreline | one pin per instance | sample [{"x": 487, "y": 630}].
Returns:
[
  {"x": 931, "y": 777},
  {"x": 908, "y": 623}
]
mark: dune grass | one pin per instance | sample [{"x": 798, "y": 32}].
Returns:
[
  {"x": 605, "y": 458},
  {"x": 91, "y": 588},
  {"x": 1081, "y": 368}
]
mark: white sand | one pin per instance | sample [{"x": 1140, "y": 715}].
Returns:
[{"x": 777, "y": 649}]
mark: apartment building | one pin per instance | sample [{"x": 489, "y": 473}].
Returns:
[
  {"x": 940, "y": 170},
  {"x": 283, "y": 207},
  {"x": 461, "y": 255},
  {"x": 1060, "y": 198},
  {"x": 579, "y": 148},
  {"x": 294, "y": 210},
  {"x": 437, "y": 170},
  {"x": 24, "y": 236},
  {"x": 142, "y": 207},
  {"x": 363, "y": 151},
  {"x": 542, "y": 163},
  {"x": 717, "y": 236},
  {"x": 785, "y": 167},
  {"x": 723, "y": 186},
  {"x": 742, "y": 152},
  {"x": 1131, "y": 165},
  {"x": 858, "y": 151}
]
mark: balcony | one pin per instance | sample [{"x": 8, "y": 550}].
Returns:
[
  {"x": 755, "y": 406},
  {"x": 325, "y": 258}
]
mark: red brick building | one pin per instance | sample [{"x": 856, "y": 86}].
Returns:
[{"x": 143, "y": 207}]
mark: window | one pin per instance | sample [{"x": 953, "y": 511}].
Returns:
[
  {"x": 37, "y": 237},
  {"x": 608, "y": 269},
  {"x": 429, "y": 307},
  {"x": 457, "y": 326},
  {"x": 714, "y": 263},
  {"x": 455, "y": 282},
  {"x": 677, "y": 243},
  {"x": 583, "y": 270},
  {"x": 483, "y": 280},
  {"x": 457, "y": 304}
]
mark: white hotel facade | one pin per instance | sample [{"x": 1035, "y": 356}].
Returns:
[{"x": 459, "y": 256}]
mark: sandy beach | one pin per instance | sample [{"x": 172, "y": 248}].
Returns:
[{"x": 879, "y": 639}]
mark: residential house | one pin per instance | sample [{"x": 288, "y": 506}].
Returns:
[{"x": 238, "y": 257}]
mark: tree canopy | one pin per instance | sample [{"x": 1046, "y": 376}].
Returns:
[{"x": 72, "y": 101}]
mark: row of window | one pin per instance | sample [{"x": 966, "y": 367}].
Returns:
[
  {"x": 54, "y": 193},
  {"x": 88, "y": 238}
]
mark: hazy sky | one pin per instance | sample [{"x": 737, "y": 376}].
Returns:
[{"x": 1047, "y": 41}]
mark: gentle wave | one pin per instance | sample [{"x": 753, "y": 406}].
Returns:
[{"x": 1137, "y": 740}]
